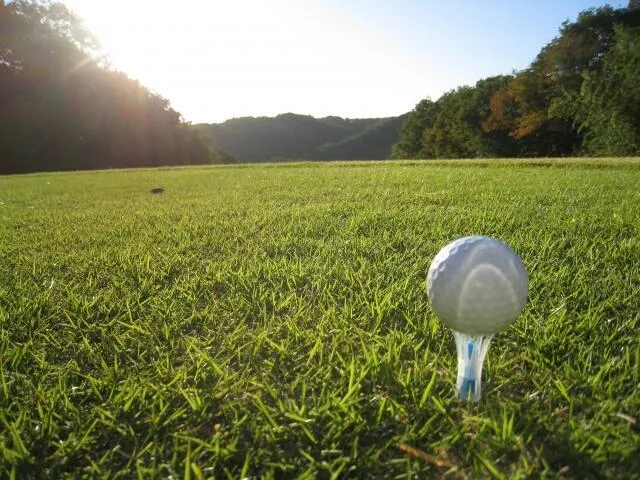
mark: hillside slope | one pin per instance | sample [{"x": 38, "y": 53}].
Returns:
[
  {"x": 372, "y": 143},
  {"x": 290, "y": 136}
]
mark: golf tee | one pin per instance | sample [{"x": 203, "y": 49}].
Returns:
[{"x": 472, "y": 350}]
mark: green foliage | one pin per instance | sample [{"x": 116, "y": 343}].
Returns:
[
  {"x": 580, "y": 94},
  {"x": 447, "y": 135},
  {"x": 457, "y": 132},
  {"x": 451, "y": 127},
  {"x": 62, "y": 109},
  {"x": 609, "y": 102},
  {"x": 272, "y": 322},
  {"x": 216, "y": 155},
  {"x": 43, "y": 38},
  {"x": 291, "y": 136},
  {"x": 541, "y": 106},
  {"x": 410, "y": 142},
  {"x": 374, "y": 142}
]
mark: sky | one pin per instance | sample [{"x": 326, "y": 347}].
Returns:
[{"x": 219, "y": 59}]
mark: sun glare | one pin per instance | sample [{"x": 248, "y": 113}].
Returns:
[{"x": 220, "y": 59}]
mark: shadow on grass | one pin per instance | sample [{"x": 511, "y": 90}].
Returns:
[{"x": 566, "y": 461}]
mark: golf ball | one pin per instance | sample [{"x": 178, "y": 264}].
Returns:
[{"x": 477, "y": 285}]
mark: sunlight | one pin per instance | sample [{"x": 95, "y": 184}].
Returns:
[{"x": 220, "y": 59}]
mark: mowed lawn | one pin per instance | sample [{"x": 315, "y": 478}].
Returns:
[{"x": 272, "y": 322}]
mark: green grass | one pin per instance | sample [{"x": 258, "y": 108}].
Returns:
[{"x": 272, "y": 322}]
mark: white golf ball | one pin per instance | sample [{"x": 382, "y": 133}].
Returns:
[{"x": 477, "y": 285}]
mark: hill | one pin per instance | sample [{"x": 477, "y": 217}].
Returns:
[
  {"x": 372, "y": 143},
  {"x": 291, "y": 136}
]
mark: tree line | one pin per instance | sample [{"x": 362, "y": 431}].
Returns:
[
  {"x": 63, "y": 108},
  {"x": 580, "y": 96}
]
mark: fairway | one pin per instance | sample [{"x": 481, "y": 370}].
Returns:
[{"x": 271, "y": 321}]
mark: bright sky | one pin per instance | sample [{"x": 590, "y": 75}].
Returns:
[{"x": 219, "y": 59}]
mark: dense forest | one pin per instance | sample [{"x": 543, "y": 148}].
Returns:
[
  {"x": 290, "y": 136},
  {"x": 580, "y": 96},
  {"x": 63, "y": 108}
]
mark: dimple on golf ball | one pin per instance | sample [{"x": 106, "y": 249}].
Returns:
[{"x": 477, "y": 285}]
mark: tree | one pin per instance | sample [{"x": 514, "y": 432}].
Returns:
[
  {"x": 608, "y": 106},
  {"x": 410, "y": 142},
  {"x": 579, "y": 95},
  {"x": 61, "y": 108},
  {"x": 537, "y": 107},
  {"x": 451, "y": 126}
]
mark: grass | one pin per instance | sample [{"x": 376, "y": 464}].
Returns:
[{"x": 272, "y": 322}]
